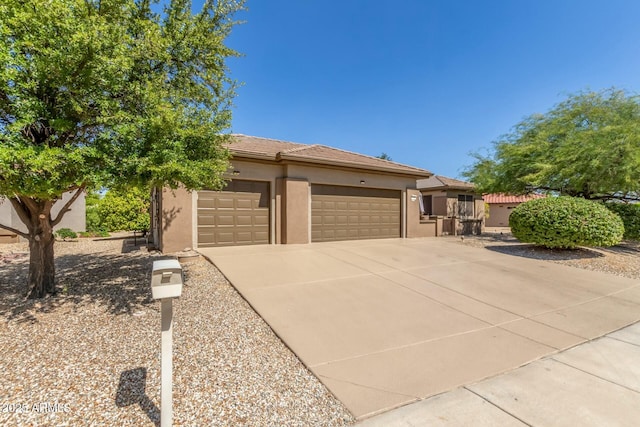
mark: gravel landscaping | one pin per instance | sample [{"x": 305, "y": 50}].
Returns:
[
  {"x": 91, "y": 355},
  {"x": 622, "y": 260}
]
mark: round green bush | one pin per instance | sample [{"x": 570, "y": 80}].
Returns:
[
  {"x": 630, "y": 215},
  {"x": 565, "y": 222}
]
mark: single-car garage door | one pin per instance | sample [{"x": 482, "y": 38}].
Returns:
[
  {"x": 238, "y": 215},
  {"x": 352, "y": 213}
]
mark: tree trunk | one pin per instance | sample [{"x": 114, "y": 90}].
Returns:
[
  {"x": 42, "y": 270},
  {"x": 36, "y": 215}
]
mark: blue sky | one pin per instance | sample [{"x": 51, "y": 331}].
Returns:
[{"x": 425, "y": 81}]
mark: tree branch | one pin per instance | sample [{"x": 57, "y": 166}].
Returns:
[
  {"x": 20, "y": 209},
  {"x": 31, "y": 205},
  {"x": 65, "y": 208},
  {"x": 15, "y": 230}
]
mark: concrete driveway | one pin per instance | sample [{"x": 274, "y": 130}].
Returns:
[{"x": 384, "y": 323}]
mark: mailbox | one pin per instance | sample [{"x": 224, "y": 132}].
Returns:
[{"x": 166, "y": 279}]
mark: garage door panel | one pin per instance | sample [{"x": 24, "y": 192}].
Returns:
[
  {"x": 222, "y": 220},
  {"x": 261, "y": 220},
  {"x": 238, "y": 215},
  {"x": 245, "y": 204},
  {"x": 261, "y": 236},
  {"x": 206, "y": 203},
  {"x": 246, "y": 220},
  {"x": 206, "y": 219},
  {"x": 345, "y": 213}
]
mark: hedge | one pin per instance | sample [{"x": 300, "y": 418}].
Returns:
[
  {"x": 630, "y": 215},
  {"x": 565, "y": 222}
]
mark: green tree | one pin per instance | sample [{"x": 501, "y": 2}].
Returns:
[
  {"x": 108, "y": 93},
  {"x": 124, "y": 210},
  {"x": 586, "y": 146},
  {"x": 385, "y": 156}
]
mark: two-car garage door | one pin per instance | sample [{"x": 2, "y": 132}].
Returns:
[
  {"x": 353, "y": 213},
  {"x": 239, "y": 215}
]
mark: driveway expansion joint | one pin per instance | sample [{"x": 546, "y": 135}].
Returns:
[
  {"x": 498, "y": 406},
  {"x": 592, "y": 374}
]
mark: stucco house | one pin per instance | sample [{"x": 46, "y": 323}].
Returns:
[
  {"x": 456, "y": 201},
  {"x": 283, "y": 192},
  {"x": 501, "y": 205},
  {"x": 75, "y": 219}
]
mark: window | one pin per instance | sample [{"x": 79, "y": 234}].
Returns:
[
  {"x": 428, "y": 205},
  {"x": 465, "y": 205}
]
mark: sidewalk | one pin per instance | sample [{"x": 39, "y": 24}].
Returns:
[{"x": 593, "y": 384}]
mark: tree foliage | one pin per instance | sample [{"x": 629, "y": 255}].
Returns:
[
  {"x": 565, "y": 222},
  {"x": 586, "y": 146},
  {"x": 92, "y": 217},
  {"x": 630, "y": 215},
  {"x": 108, "y": 93}
]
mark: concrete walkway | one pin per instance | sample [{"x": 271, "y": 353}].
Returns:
[
  {"x": 384, "y": 323},
  {"x": 593, "y": 384}
]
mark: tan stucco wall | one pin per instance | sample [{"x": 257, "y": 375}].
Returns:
[
  {"x": 329, "y": 176},
  {"x": 296, "y": 211},
  {"x": 74, "y": 219},
  {"x": 176, "y": 220},
  {"x": 499, "y": 214},
  {"x": 290, "y": 203},
  {"x": 279, "y": 214},
  {"x": 416, "y": 227},
  {"x": 6, "y": 211}
]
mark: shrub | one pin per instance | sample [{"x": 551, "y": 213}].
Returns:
[
  {"x": 92, "y": 203},
  {"x": 565, "y": 222},
  {"x": 66, "y": 233},
  {"x": 630, "y": 215},
  {"x": 124, "y": 211}
]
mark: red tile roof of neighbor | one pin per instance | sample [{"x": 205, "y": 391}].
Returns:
[
  {"x": 273, "y": 149},
  {"x": 508, "y": 198}
]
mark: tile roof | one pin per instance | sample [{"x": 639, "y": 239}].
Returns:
[
  {"x": 276, "y": 150},
  {"x": 439, "y": 181},
  {"x": 508, "y": 198}
]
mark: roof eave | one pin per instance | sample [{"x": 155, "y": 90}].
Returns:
[
  {"x": 446, "y": 187},
  {"x": 419, "y": 174}
]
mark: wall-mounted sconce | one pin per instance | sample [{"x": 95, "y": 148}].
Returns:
[
  {"x": 235, "y": 173},
  {"x": 361, "y": 181},
  {"x": 414, "y": 197}
]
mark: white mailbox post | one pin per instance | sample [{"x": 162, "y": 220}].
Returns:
[{"x": 166, "y": 284}]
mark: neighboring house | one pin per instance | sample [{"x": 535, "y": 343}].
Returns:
[
  {"x": 283, "y": 192},
  {"x": 75, "y": 219},
  {"x": 501, "y": 205},
  {"x": 457, "y": 201}
]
